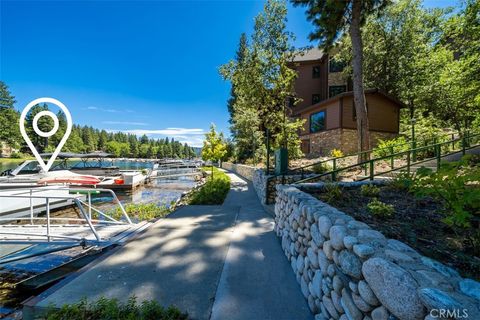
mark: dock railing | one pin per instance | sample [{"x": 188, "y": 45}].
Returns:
[{"x": 80, "y": 204}]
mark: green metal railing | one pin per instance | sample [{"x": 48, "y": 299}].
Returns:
[{"x": 427, "y": 153}]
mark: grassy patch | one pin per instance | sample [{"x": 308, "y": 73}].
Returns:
[
  {"x": 113, "y": 309},
  {"x": 214, "y": 190},
  {"x": 141, "y": 211}
]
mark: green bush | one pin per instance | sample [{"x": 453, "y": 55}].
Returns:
[
  {"x": 369, "y": 190},
  {"x": 403, "y": 181},
  {"x": 17, "y": 155},
  {"x": 320, "y": 168},
  {"x": 384, "y": 147},
  {"x": 458, "y": 185},
  {"x": 112, "y": 309},
  {"x": 379, "y": 208},
  {"x": 214, "y": 191},
  {"x": 332, "y": 192}
]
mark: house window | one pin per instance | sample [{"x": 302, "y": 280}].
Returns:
[
  {"x": 316, "y": 72},
  {"x": 315, "y": 98},
  {"x": 334, "y": 90},
  {"x": 336, "y": 66},
  {"x": 317, "y": 122}
]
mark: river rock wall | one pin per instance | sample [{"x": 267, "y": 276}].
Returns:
[{"x": 346, "y": 270}]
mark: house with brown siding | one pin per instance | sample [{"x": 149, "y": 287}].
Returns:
[{"x": 327, "y": 107}]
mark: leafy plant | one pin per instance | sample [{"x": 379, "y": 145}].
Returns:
[
  {"x": 458, "y": 185},
  {"x": 320, "y": 168},
  {"x": 213, "y": 191},
  {"x": 403, "y": 180},
  {"x": 105, "y": 309},
  {"x": 336, "y": 153},
  {"x": 384, "y": 147},
  {"x": 369, "y": 190},
  {"x": 332, "y": 192},
  {"x": 379, "y": 208}
]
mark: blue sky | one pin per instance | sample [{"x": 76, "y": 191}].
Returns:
[{"x": 138, "y": 66}]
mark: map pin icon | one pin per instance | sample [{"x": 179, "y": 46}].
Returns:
[{"x": 48, "y": 165}]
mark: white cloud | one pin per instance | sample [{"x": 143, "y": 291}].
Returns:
[
  {"x": 126, "y": 123},
  {"x": 110, "y": 110}
]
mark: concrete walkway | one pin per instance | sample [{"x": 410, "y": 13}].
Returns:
[{"x": 214, "y": 262}]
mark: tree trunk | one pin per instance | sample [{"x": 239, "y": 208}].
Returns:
[{"x": 358, "y": 90}]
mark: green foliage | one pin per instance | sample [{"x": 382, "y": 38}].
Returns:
[
  {"x": 369, "y": 190},
  {"x": 214, "y": 146},
  {"x": 109, "y": 309},
  {"x": 332, "y": 192},
  {"x": 213, "y": 191},
  {"x": 141, "y": 211},
  {"x": 17, "y": 155},
  {"x": 379, "y": 208},
  {"x": 9, "y": 118},
  {"x": 458, "y": 185},
  {"x": 320, "y": 168},
  {"x": 336, "y": 153},
  {"x": 262, "y": 82},
  {"x": 403, "y": 181},
  {"x": 385, "y": 147}
]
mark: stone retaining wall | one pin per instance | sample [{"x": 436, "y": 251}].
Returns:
[{"x": 346, "y": 270}]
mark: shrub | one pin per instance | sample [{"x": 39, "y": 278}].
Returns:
[
  {"x": 384, "y": 147},
  {"x": 379, "y": 208},
  {"x": 213, "y": 191},
  {"x": 403, "y": 181},
  {"x": 105, "y": 309},
  {"x": 457, "y": 184},
  {"x": 335, "y": 153},
  {"x": 320, "y": 168},
  {"x": 369, "y": 190},
  {"x": 17, "y": 155},
  {"x": 332, "y": 192}
]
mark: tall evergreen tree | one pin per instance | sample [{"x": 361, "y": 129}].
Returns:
[{"x": 242, "y": 52}]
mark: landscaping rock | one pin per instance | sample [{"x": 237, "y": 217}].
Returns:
[
  {"x": 446, "y": 271},
  {"x": 367, "y": 294},
  {"x": 300, "y": 263},
  {"x": 363, "y": 250},
  {"x": 395, "y": 288},
  {"x": 317, "y": 238},
  {"x": 349, "y": 306},
  {"x": 304, "y": 287},
  {"x": 323, "y": 262},
  {"x": 337, "y": 284},
  {"x": 324, "y": 225},
  {"x": 312, "y": 257},
  {"x": 360, "y": 303},
  {"x": 327, "y": 302},
  {"x": 380, "y": 313},
  {"x": 328, "y": 249},
  {"x": 470, "y": 288},
  {"x": 349, "y": 241},
  {"x": 437, "y": 299},
  {"x": 337, "y": 233},
  {"x": 317, "y": 284},
  {"x": 350, "y": 264},
  {"x": 397, "y": 256},
  {"x": 336, "y": 301}
]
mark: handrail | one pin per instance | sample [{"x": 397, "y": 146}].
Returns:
[
  {"x": 410, "y": 152},
  {"x": 87, "y": 217},
  {"x": 335, "y": 159}
]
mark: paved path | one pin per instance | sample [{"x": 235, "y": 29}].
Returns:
[
  {"x": 215, "y": 262},
  {"x": 257, "y": 281}
]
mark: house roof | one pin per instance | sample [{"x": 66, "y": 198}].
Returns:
[
  {"x": 346, "y": 94},
  {"x": 309, "y": 55}
]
